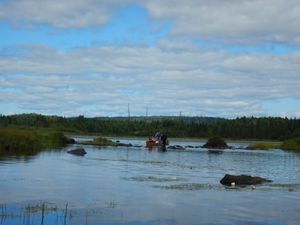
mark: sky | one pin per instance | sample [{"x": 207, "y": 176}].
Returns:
[{"x": 172, "y": 57}]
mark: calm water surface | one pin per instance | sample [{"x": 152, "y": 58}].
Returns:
[{"x": 137, "y": 186}]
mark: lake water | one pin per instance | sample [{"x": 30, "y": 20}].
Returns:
[{"x": 122, "y": 185}]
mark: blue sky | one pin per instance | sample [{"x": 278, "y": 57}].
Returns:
[{"x": 194, "y": 57}]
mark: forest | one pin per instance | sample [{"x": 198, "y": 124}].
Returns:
[{"x": 262, "y": 128}]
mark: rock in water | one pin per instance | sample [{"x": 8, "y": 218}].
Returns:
[
  {"x": 215, "y": 143},
  {"x": 241, "y": 180},
  {"x": 71, "y": 141},
  {"x": 77, "y": 151}
]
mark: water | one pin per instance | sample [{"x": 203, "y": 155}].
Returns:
[{"x": 135, "y": 186}]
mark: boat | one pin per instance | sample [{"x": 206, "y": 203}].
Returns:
[
  {"x": 151, "y": 143},
  {"x": 159, "y": 140}
]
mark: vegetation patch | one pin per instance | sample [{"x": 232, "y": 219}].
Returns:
[
  {"x": 40, "y": 208},
  {"x": 17, "y": 141},
  {"x": 291, "y": 144},
  {"x": 264, "y": 146},
  {"x": 100, "y": 141},
  {"x": 215, "y": 142}
]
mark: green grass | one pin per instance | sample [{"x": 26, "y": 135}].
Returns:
[
  {"x": 15, "y": 141},
  {"x": 264, "y": 145},
  {"x": 21, "y": 141},
  {"x": 291, "y": 144}
]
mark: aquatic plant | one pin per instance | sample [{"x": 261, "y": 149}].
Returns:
[
  {"x": 39, "y": 207},
  {"x": 264, "y": 145},
  {"x": 35, "y": 213},
  {"x": 291, "y": 144}
]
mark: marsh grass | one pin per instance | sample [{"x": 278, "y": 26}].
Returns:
[
  {"x": 42, "y": 213},
  {"x": 20, "y": 141},
  {"x": 17, "y": 141},
  {"x": 40, "y": 207},
  {"x": 264, "y": 146},
  {"x": 31, "y": 214},
  {"x": 291, "y": 144},
  {"x": 4, "y": 213}
]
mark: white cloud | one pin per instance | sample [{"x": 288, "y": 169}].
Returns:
[
  {"x": 59, "y": 13},
  {"x": 232, "y": 21},
  {"x": 101, "y": 81}
]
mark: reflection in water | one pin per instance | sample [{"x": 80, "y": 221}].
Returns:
[
  {"x": 47, "y": 214},
  {"x": 16, "y": 159},
  {"x": 136, "y": 186}
]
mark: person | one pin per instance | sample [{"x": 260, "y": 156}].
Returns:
[
  {"x": 157, "y": 136},
  {"x": 164, "y": 139}
]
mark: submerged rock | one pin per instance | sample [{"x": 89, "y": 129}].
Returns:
[
  {"x": 215, "y": 151},
  {"x": 189, "y": 146},
  {"x": 137, "y": 146},
  {"x": 176, "y": 147},
  {"x": 124, "y": 145},
  {"x": 77, "y": 151},
  {"x": 240, "y": 180}
]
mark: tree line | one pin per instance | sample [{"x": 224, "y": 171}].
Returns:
[{"x": 273, "y": 128}]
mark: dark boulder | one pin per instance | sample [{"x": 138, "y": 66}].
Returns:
[
  {"x": 77, "y": 151},
  {"x": 71, "y": 141},
  {"x": 242, "y": 180}
]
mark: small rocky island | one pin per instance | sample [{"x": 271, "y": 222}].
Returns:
[{"x": 215, "y": 143}]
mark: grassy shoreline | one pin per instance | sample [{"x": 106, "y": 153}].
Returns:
[{"x": 18, "y": 141}]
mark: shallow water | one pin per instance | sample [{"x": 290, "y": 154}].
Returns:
[{"x": 136, "y": 186}]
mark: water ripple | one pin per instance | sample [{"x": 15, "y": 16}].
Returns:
[{"x": 153, "y": 179}]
